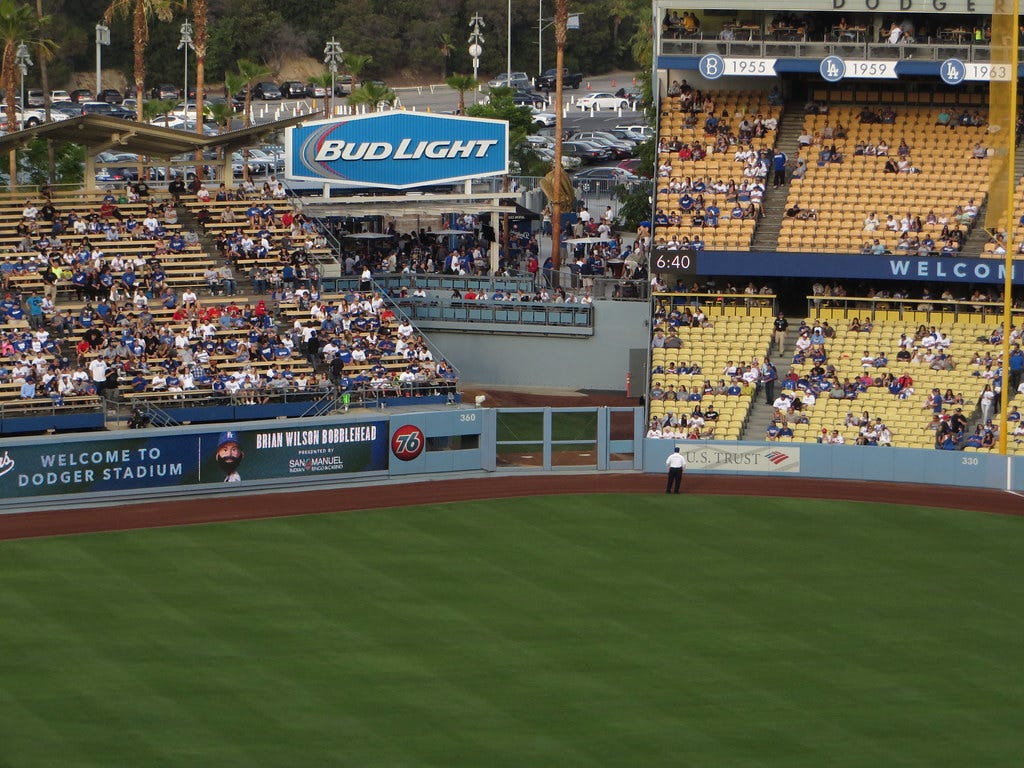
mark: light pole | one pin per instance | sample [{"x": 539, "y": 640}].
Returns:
[
  {"x": 508, "y": 49},
  {"x": 102, "y": 38},
  {"x": 23, "y": 60},
  {"x": 572, "y": 23},
  {"x": 333, "y": 56},
  {"x": 184, "y": 44},
  {"x": 475, "y": 40}
]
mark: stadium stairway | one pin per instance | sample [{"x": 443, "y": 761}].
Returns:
[
  {"x": 766, "y": 236},
  {"x": 760, "y": 415}
]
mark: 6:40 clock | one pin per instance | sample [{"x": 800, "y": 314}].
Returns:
[{"x": 682, "y": 263}]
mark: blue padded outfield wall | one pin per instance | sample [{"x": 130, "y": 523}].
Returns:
[
  {"x": 843, "y": 462},
  {"x": 371, "y": 446}
]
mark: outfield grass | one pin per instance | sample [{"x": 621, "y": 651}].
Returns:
[{"x": 595, "y": 631}]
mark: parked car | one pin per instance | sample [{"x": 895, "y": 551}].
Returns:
[
  {"x": 643, "y": 130},
  {"x": 517, "y": 80},
  {"x": 586, "y": 152},
  {"x": 542, "y": 119},
  {"x": 95, "y": 108},
  {"x": 267, "y": 92},
  {"x": 165, "y": 91},
  {"x": 34, "y": 97},
  {"x": 81, "y": 94},
  {"x": 256, "y": 167},
  {"x": 612, "y": 175},
  {"x": 316, "y": 91},
  {"x": 237, "y": 105},
  {"x": 631, "y": 136},
  {"x": 110, "y": 95},
  {"x": 65, "y": 108},
  {"x": 602, "y": 101},
  {"x": 546, "y": 81},
  {"x": 294, "y": 89},
  {"x": 59, "y": 96},
  {"x": 272, "y": 163},
  {"x": 33, "y": 117},
  {"x": 619, "y": 147},
  {"x": 528, "y": 99},
  {"x": 633, "y": 165},
  {"x": 569, "y": 163},
  {"x": 343, "y": 85}
]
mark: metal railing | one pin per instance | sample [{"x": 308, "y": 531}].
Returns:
[
  {"x": 793, "y": 49},
  {"x": 909, "y": 310},
  {"x": 499, "y": 312}
]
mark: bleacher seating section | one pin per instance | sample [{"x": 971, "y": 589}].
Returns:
[
  {"x": 845, "y": 194},
  {"x": 737, "y": 333},
  {"x": 732, "y": 234},
  {"x": 274, "y": 363}
]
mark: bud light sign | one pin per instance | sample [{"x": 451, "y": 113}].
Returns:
[{"x": 397, "y": 150}]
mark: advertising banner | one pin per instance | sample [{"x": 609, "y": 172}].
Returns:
[
  {"x": 832, "y": 265},
  {"x": 260, "y": 454},
  {"x": 733, "y": 458},
  {"x": 131, "y": 462},
  {"x": 396, "y": 150}
]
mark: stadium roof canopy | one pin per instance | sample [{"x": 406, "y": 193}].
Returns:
[{"x": 100, "y": 133}]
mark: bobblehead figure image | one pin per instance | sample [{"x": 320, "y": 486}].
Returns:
[{"x": 229, "y": 456}]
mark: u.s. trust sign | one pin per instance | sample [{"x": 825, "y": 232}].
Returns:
[{"x": 397, "y": 150}]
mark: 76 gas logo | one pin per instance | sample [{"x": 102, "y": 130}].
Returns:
[{"x": 407, "y": 442}]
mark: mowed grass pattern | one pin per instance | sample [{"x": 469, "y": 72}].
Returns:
[{"x": 556, "y": 631}]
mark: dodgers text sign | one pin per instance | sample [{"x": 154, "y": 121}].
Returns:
[{"x": 396, "y": 150}]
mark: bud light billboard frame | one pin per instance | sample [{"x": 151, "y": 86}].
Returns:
[{"x": 396, "y": 150}]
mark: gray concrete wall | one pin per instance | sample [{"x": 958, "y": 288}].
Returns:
[{"x": 522, "y": 360}]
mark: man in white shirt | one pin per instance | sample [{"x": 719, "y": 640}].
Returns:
[{"x": 676, "y": 463}]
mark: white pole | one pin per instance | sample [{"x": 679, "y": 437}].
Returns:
[
  {"x": 540, "y": 37},
  {"x": 508, "y": 55},
  {"x": 99, "y": 76}
]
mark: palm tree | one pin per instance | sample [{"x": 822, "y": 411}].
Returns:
[
  {"x": 356, "y": 64},
  {"x": 445, "y": 46},
  {"x": 221, "y": 113},
  {"x": 373, "y": 95},
  {"x": 44, "y": 76},
  {"x": 325, "y": 80},
  {"x": 461, "y": 83},
  {"x": 18, "y": 24},
  {"x": 153, "y": 109},
  {"x": 561, "y": 26},
  {"x": 199, "y": 39},
  {"x": 140, "y": 12},
  {"x": 251, "y": 72}
]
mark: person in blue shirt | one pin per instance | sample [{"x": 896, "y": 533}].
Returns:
[
  {"x": 176, "y": 244},
  {"x": 711, "y": 215}
]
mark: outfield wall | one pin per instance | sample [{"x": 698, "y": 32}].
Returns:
[
  {"x": 526, "y": 360},
  {"x": 843, "y": 462},
  {"x": 367, "y": 447}
]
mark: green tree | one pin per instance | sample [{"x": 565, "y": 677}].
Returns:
[
  {"x": 251, "y": 72},
  {"x": 500, "y": 106},
  {"x": 462, "y": 83},
  {"x": 221, "y": 113},
  {"x": 356, "y": 64},
  {"x": 326, "y": 80},
  {"x": 151, "y": 110},
  {"x": 18, "y": 24},
  {"x": 445, "y": 48},
  {"x": 140, "y": 11},
  {"x": 69, "y": 162},
  {"x": 373, "y": 95}
]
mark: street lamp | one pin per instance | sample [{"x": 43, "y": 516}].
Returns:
[
  {"x": 572, "y": 23},
  {"x": 185, "y": 43},
  {"x": 333, "y": 57},
  {"x": 102, "y": 38},
  {"x": 23, "y": 60},
  {"x": 475, "y": 39}
]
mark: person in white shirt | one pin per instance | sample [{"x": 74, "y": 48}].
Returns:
[{"x": 676, "y": 463}]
